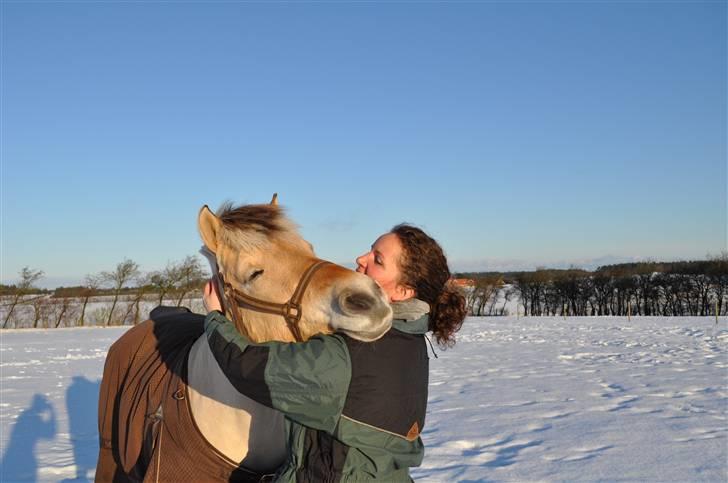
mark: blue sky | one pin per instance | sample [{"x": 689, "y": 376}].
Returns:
[{"x": 517, "y": 133}]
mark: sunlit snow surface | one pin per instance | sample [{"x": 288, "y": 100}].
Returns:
[{"x": 529, "y": 399}]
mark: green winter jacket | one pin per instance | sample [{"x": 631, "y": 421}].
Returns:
[{"x": 354, "y": 410}]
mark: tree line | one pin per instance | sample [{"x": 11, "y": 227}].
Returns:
[
  {"x": 127, "y": 287},
  {"x": 693, "y": 288}
]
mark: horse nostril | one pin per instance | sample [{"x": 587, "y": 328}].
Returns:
[{"x": 357, "y": 302}]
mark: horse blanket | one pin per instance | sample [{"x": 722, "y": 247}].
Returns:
[{"x": 146, "y": 429}]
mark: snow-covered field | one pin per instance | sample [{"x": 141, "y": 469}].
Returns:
[{"x": 529, "y": 399}]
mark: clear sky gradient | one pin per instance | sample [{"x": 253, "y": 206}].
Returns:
[{"x": 517, "y": 133}]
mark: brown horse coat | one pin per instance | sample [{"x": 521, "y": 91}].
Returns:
[{"x": 146, "y": 428}]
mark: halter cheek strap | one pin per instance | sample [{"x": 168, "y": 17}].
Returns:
[{"x": 290, "y": 310}]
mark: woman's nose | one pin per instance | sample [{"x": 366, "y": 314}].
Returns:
[{"x": 361, "y": 263}]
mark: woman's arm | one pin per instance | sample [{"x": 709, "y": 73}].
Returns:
[{"x": 308, "y": 381}]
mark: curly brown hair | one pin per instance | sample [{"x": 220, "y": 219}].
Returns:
[{"x": 423, "y": 266}]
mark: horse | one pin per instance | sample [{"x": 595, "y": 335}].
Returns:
[{"x": 166, "y": 410}]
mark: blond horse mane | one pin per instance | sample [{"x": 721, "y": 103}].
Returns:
[{"x": 249, "y": 227}]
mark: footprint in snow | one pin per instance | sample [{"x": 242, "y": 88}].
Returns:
[
  {"x": 620, "y": 403},
  {"x": 555, "y": 415},
  {"x": 701, "y": 434},
  {"x": 612, "y": 388},
  {"x": 578, "y": 454},
  {"x": 507, "y": 454},
  {"x": 537, "y": 427}
]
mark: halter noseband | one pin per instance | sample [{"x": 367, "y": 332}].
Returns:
[{"x": 291, "y": 310}]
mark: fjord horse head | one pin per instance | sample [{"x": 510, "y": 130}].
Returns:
[{"x": 275, "y": 288}]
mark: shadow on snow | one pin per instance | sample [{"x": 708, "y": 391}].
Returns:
[{"x": 38, "y": 422}]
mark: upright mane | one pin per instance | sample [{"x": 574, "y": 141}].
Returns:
[{"x": 247, "y": 227}]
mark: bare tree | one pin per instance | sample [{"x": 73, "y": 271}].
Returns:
[
  {"x": 162, "y": 282},
  {"x": 575, "y": 287},
  {"x": 539, "y": 282},
  {"x": 42, "y": 308},
  {"x": 128, "y": 312},
  {"x": 133, "y": 311},
  {"x": 28, "y": 277},
  {"x": 703, "y": 289},
  {"x": 470, "y": 298},
  {"x": 63, "y": 307},
  {"x": 470, "y": 295},
  {"x": 189, "y": 276},
  {"x": 508, "y": 291},
  {"x": 91, "y": 286},
  {"x": 485, "y": 291},
  {"x": 498, "y": 285},
  {"x": 645, "y": 288},
  {"x": 523, "y": 288},
  {"x": 603, "y": 289},
  {"x": 718, "y": 273},
  {"x": 125, "y": 272}
]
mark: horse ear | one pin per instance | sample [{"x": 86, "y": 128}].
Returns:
[
  {"x": 209, "y": 226},
  {"x": 274, "y": 201}
]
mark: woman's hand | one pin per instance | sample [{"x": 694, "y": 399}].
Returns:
[{"x": 211, "y": 296}]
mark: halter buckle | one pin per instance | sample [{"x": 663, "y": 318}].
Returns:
[{"x": 293, "y": 312}]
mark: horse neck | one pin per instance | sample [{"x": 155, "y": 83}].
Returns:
[{"x": 261, "y": 327}]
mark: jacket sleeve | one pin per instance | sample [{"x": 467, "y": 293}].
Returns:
[{"x": 308, "y": 381}]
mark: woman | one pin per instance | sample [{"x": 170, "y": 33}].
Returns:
[{"x": 354, "y": 410}]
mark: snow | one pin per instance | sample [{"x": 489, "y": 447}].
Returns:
[{"x": 517, "y": 399}]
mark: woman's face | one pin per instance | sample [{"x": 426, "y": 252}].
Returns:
[{"x": 381, "y": 263}]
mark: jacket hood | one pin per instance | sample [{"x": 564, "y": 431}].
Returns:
[{"x": 411, "y": 316}]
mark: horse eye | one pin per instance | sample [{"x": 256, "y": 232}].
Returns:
[{"x": 255, "y": 275}]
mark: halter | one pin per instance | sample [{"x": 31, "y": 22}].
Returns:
[{"x": 291, "y": 310}]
